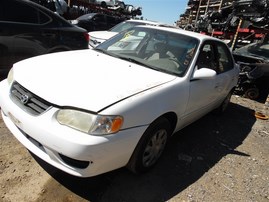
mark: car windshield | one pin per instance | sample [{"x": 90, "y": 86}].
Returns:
[
  {"x": 260, "y": 50},
  {"x": 160, "y": 50}
]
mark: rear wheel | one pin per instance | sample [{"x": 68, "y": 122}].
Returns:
[
  {"x": 150, "y": 147},
  {"x": 252, "y": 93}
]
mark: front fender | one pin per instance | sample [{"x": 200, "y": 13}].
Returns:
[{"x": 145, "y": 107}]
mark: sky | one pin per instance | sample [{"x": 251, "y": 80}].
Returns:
[{"x": 167, "y": 11}]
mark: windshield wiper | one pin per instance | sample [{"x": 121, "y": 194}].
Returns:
[
  {"x": 100, "y": 50},
  {"x": 135, "y": 61},
  {"x": 146, "y": 65}
]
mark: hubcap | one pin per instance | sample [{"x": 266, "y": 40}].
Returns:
[{"x": 154, "y": 148}]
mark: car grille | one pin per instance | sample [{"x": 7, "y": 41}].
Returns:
[{"x": 28, "y": 101}]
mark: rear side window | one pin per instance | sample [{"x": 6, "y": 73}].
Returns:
[{"x": 15, "y": 11}]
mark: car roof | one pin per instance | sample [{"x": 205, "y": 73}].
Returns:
[{"x": 151, "y": 22}]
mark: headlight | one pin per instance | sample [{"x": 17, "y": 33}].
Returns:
[
  {"x": 10, "y": 76},
  {"x": 89, "y": 123}
]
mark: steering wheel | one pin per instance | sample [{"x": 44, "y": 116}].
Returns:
[{"x": 178, "y": 63}]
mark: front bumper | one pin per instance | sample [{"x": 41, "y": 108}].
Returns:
[{"x": 69, "y": 150}]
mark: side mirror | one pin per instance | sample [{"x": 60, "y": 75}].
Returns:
[{"x": 204, "y": 73}]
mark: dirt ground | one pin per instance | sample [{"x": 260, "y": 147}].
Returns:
[{"x": 223, "y": 158}]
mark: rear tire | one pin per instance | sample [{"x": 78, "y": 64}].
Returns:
[
  {"x": 150, "y": 147},
  {"x": 252, "y": 93}
]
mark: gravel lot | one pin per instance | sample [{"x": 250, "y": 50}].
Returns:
[{"x": 223, "y": 158}]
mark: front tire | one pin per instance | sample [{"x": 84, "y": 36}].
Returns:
[{"x": 150, "y": 147}]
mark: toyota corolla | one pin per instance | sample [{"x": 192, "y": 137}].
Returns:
[{"x": 88, "y": 112}]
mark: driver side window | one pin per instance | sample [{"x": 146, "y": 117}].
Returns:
[
  {"x": 206, "y": 57},
  {"x": 225, "y": 62}
]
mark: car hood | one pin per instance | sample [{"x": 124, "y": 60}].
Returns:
[
  {"x": 85, "y": 79},
  {"x": 102, "y": 35}
]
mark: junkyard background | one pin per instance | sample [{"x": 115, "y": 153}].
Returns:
[{"x": 222, "y": 158}]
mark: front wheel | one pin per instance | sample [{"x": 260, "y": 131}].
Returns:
[{"x": 150, "y": 147}]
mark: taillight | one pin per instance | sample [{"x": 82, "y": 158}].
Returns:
[{"x": 87, "y": 36}]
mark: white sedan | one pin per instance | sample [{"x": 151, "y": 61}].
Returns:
[{"x": 88, "y": 112}]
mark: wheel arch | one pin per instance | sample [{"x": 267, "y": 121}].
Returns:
[
  {"x": 166, "y": 121},
  {"x": 172, "y": 118}
]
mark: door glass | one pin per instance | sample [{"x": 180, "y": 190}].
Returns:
[
  {"x": 206, "y": 57},
  {"x": 224, "y": 59}
]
